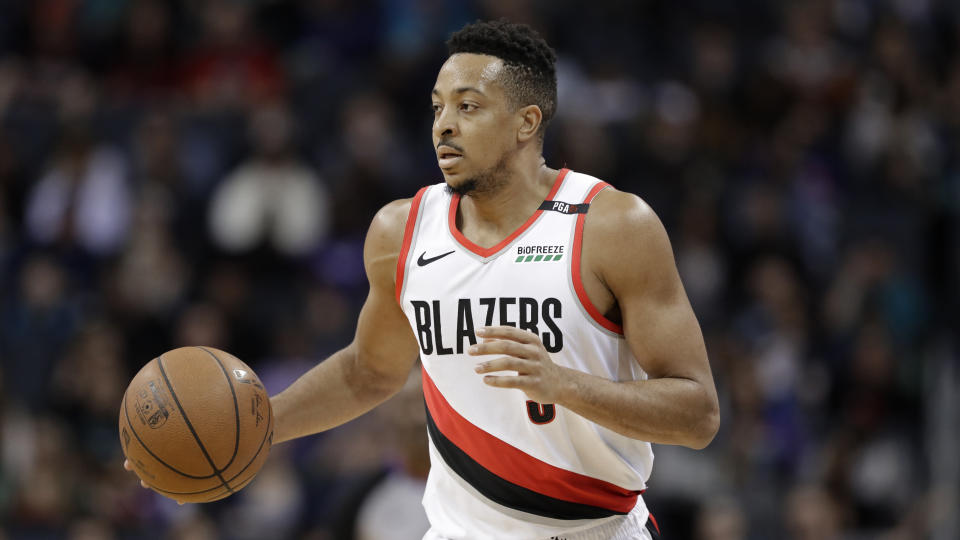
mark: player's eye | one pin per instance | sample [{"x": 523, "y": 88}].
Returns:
[
  {"x": 467, "y": 107},
  {"x": 436, "y": 108}
]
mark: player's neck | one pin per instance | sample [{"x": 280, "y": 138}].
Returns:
[{"x": 488, "y": 217}]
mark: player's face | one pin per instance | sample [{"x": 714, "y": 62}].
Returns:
[{"x": 473, "y": 125}]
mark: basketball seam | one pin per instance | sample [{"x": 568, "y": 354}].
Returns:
[
  {"x": 236, "y": 407},
  {"x": 222, "y": 494},
  {"x": 243, "y": 483},
  {"x": 205, "y": 490},
  {"x": 186, "y": 420},
  {"x": 126, "y": 413},
  {"x": 266, "y": 434}
]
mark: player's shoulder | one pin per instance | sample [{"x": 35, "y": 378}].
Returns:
[
  {"x": 392, "y": 215},
  {"x": 625, "y": 242},
  {"x": 391, "y": 219},
  {"x": 621, "y": 215},
  {"x": 387, "y": 226}
]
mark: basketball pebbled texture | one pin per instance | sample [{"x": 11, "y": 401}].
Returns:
[{"x": 196, "y": 424}]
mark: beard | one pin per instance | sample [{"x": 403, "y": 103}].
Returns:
[{"x": 486, "y": 181}]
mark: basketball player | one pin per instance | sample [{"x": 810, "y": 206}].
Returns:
[{"x": 556, "y": 339}]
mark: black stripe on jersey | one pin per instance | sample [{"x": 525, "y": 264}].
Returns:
[
  {"x": 504, "y": 492},
  {"x": 564, "y": 208}
]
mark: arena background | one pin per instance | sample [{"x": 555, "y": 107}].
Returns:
[{"x": 203, "y": 172}]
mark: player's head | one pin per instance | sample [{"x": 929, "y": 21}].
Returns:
[{"x": 493, "y": 98}]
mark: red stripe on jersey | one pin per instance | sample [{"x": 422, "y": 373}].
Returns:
[
  {"x": 575, "y": 267},
  {"x": 518, "y": 467},
  {"x": 408, "y": 239},
  {"x": 487, "y": 252}
]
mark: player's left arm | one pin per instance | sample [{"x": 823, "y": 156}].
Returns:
[{"x": 630, "y": 254}]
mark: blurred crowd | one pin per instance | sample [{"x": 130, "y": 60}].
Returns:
[{"x": 203, "y": 172}]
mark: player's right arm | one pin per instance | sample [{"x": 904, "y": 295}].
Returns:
[
  {"x": 371, "y": 368},
  {"x": 374, "y": 366}
]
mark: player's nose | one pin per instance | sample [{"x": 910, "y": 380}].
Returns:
[{"x": 445, "y": 124}]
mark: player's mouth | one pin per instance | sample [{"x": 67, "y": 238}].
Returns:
[{"x": 448, "y": 157}]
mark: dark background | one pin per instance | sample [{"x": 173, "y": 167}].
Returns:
[{"x": 203, "y": 172}]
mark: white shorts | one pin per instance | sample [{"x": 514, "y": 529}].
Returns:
[{"x": 621, "y": 529}]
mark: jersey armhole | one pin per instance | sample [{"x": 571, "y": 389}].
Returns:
[
  {"x": 408, "y": 233},
  {"x": 575, "y": 274}
]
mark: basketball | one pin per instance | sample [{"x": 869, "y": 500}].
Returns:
[{"x": 196, "y": 424}]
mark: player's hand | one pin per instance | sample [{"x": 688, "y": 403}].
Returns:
[
  {"x": 539, "y": 378},
  {"x": 129, "y": 466}
]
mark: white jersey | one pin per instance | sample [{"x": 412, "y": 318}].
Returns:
[{"x": 503, "y": 466}]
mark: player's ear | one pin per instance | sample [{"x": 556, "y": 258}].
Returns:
[{"x": 529, "y": 118}]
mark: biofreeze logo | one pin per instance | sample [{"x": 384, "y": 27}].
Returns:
[{"x": 527, "y": 254}]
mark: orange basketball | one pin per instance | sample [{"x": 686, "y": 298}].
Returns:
[{"x": 196, "y": 424}]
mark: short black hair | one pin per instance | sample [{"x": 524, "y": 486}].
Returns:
[{"x": 530, "y": 64}]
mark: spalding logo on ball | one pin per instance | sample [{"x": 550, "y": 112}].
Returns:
[
  {"x": 196, "y": 424},
  {"x": 152, "y": 406}
]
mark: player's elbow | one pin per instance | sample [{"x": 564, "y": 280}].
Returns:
[
  {"x": 373, "y": 384},
  {"x": 706, "y": 426}
]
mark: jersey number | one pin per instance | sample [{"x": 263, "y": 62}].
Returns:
[{"x": 539, "y": 413}]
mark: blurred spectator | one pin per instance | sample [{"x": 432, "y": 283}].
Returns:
[
  {"x": 151, "y": 276},
  {"x": 197, "y": 526},
  {"x": 721, "y": 519},
  {"x": 811, "y": 514},
  {"x": 702, "y": 265},
  {"x": 230, "y": 66},
  {"x": 273, "y": 198},
  {"x": 201, "y": 325},
  {"x": 90, "y": 529},
  {"x": 391, "y": 510},
  {"x": 369, "y": 164},
  {"x": 83, "y": 200},
  {"x": 37, "y": 323},
  {"x": 143, "y": 67},
  {"x": 164, "y": 196},
  {"x": 46, "y": 479},
  {"x": 270, "y": 508}
]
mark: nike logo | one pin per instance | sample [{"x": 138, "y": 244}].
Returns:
[{"x": 423, "y": 262}]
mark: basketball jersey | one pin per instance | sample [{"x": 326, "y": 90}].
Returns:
[{"x": 503, "y": 466}]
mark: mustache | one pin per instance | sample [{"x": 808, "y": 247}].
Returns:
[{"x": 444, "y": 142}]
